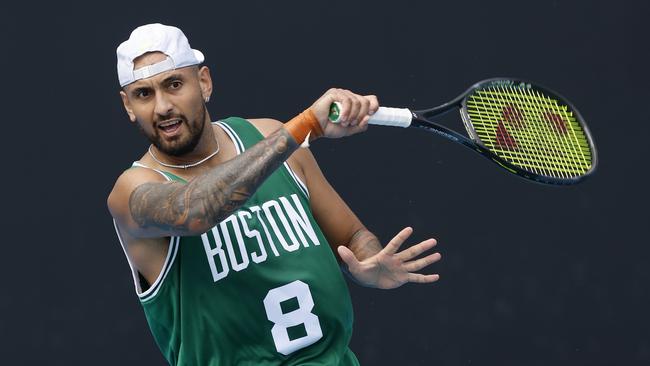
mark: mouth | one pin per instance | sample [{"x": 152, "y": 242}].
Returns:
[{"x": 170, "y": 127}]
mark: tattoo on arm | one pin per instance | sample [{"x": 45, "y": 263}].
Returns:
[
  {"x": 209, "y": 198},
  {"x": 364, "y": 244}
]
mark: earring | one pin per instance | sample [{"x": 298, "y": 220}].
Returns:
[{"x": 207, "y": 99}]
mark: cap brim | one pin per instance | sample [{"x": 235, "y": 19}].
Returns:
[{"x": 199, "y": 55}]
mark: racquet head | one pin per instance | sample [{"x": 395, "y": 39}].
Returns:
[{"x": 530, "y": 128}]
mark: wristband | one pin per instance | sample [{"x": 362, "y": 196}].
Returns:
[{"x": 303, "y": 126}]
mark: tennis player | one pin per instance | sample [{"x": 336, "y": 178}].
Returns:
[{"x": 230, "y": 228}]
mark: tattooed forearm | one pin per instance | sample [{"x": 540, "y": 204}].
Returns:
[
  {"x": 195, "y": 207},
  {"x": 364, "y": 244}
]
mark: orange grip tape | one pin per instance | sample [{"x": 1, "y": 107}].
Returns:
[{"x": 301, "y": 125}]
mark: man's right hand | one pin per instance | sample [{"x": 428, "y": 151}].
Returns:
[{"x": 355, "y": 112}]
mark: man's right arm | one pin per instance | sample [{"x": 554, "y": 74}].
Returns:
[{"x": 147, "y": 207}]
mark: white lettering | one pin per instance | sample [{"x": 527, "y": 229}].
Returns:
[
  {"x": 267, "y": 210},
  {"x": 257, "y": 258},
  {"x": 217, "y": 251},
  {"x": 228, "y": 239},
  {"x": 300, "y": 222},
  {"x": 240, "y": 242},
  {"x": 257, "y": 210}
]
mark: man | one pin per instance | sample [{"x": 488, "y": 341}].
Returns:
[{"x": 226, "y": 225}]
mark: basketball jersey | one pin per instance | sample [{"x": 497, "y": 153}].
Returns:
[{"x": 262, "y": 287}]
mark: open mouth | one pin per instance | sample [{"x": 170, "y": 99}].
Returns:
[{"x": 171, "y": 126}]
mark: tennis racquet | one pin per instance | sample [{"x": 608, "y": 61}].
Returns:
[{"x": 525, "y": 128}]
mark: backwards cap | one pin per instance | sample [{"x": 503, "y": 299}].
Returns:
[{"x": 150, "y": 38}]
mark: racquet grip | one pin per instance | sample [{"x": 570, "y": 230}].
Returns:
[{"x": 384, "y": 116}]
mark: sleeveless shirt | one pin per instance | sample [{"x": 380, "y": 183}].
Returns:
[{"x": 262, "y": 287}]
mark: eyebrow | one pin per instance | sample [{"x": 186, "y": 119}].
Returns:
[
  {"x": 166, "y": 80},
  {"x": 171, "y": 78}
]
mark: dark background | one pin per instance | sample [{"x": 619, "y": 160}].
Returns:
[{"x": 531, "y": 275}]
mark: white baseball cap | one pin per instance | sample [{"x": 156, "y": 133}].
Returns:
[{"x": 150, "y": 38}]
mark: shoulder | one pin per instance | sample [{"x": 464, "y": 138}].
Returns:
[
  {"x": 266, "y": 126},
  {"x": 126, "y": 183}
]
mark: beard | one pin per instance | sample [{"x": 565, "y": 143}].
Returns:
[{"x": 183, "y": 144}]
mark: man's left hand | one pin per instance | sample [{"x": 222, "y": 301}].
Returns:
[{"x": 390, "y": 269}]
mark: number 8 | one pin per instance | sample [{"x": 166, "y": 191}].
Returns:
[{"x": 302, "y": 315}]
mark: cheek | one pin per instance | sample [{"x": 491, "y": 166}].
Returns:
[
  {"x": 145, "y": 125},
  {"x": 191, "y": 107},
  {"x": 144, "y": 115}
]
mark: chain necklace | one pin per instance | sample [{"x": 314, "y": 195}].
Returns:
[{"x": 188, "y": 165}]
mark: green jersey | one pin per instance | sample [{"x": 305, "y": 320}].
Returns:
[{"x": 262, "y": 287}]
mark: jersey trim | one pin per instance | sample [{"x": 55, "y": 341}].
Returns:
[
  {"x": 301, "y": 185},
  {"x": 239, "y": 145},
  {"x": 169, "y": 260},
  {"x": 153, "y": 290},
  {"x": 134, "y": 273},
  {"x": 140, "y": 165}
]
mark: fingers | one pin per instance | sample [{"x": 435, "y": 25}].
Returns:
[
  {"x": 352, "y": 108},
  {"x": 397, "y": 241},
  {"x": 420, "y": 278},
  {"x": 364, "y": 106},
  {"x": 412, "y": 252},
  {"x": 416, "y": 250},
  {"x": 348, "y": 257},
  {"x": 358, "y": 128},
  {"x": 373, "y": 105},
  {"x": 418, "y": 264},
  {"x": 355, "y": 109},
  {"x": 346, "y": 109}
]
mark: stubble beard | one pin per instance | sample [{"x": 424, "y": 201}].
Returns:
[{"x": 180, "y": 148}]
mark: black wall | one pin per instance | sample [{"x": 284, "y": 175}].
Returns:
[{"x": 531, "y": 275}]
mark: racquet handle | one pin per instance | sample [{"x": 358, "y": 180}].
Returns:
[{"x": 385, "y": 116}]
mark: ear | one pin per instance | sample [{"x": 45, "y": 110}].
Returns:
[
  {"x": 127, "y": 105},
  {"x": 205, "y": 82}
]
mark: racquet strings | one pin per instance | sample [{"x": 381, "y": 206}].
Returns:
[{"x": 531, "y": 130}]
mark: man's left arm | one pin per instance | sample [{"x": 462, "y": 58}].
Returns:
[{"x": 367, "y": 261}]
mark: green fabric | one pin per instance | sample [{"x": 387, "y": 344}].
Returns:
[{"x": 214, "y": 303}]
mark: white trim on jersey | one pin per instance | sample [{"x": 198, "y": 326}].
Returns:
[
  {"x": 134, "y": 273},
  {"x": 173, "y": 249},
  {"x": 153, "y": 289},
  {"x": 239, "y": 145},
  {"x": 301, "y": 185},
  {"x": 140, "y": 165},
  {"x": 169, "y": 260}
]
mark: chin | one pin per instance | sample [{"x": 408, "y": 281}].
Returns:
[
  {"x": 181, "y": 144},
  {"x": 177, "y": 147}
]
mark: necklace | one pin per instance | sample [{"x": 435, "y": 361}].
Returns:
[{"x": 188, "y": 165}]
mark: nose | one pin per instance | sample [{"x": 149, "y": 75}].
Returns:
[{"x": 163, "y": 105}]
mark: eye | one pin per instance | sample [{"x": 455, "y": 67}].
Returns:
[
  {"x": 176, "y": 84},
  {"x": 141, "y": 93}
]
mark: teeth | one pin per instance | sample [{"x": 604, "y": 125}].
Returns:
[{"x": 166, "y": 124}]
